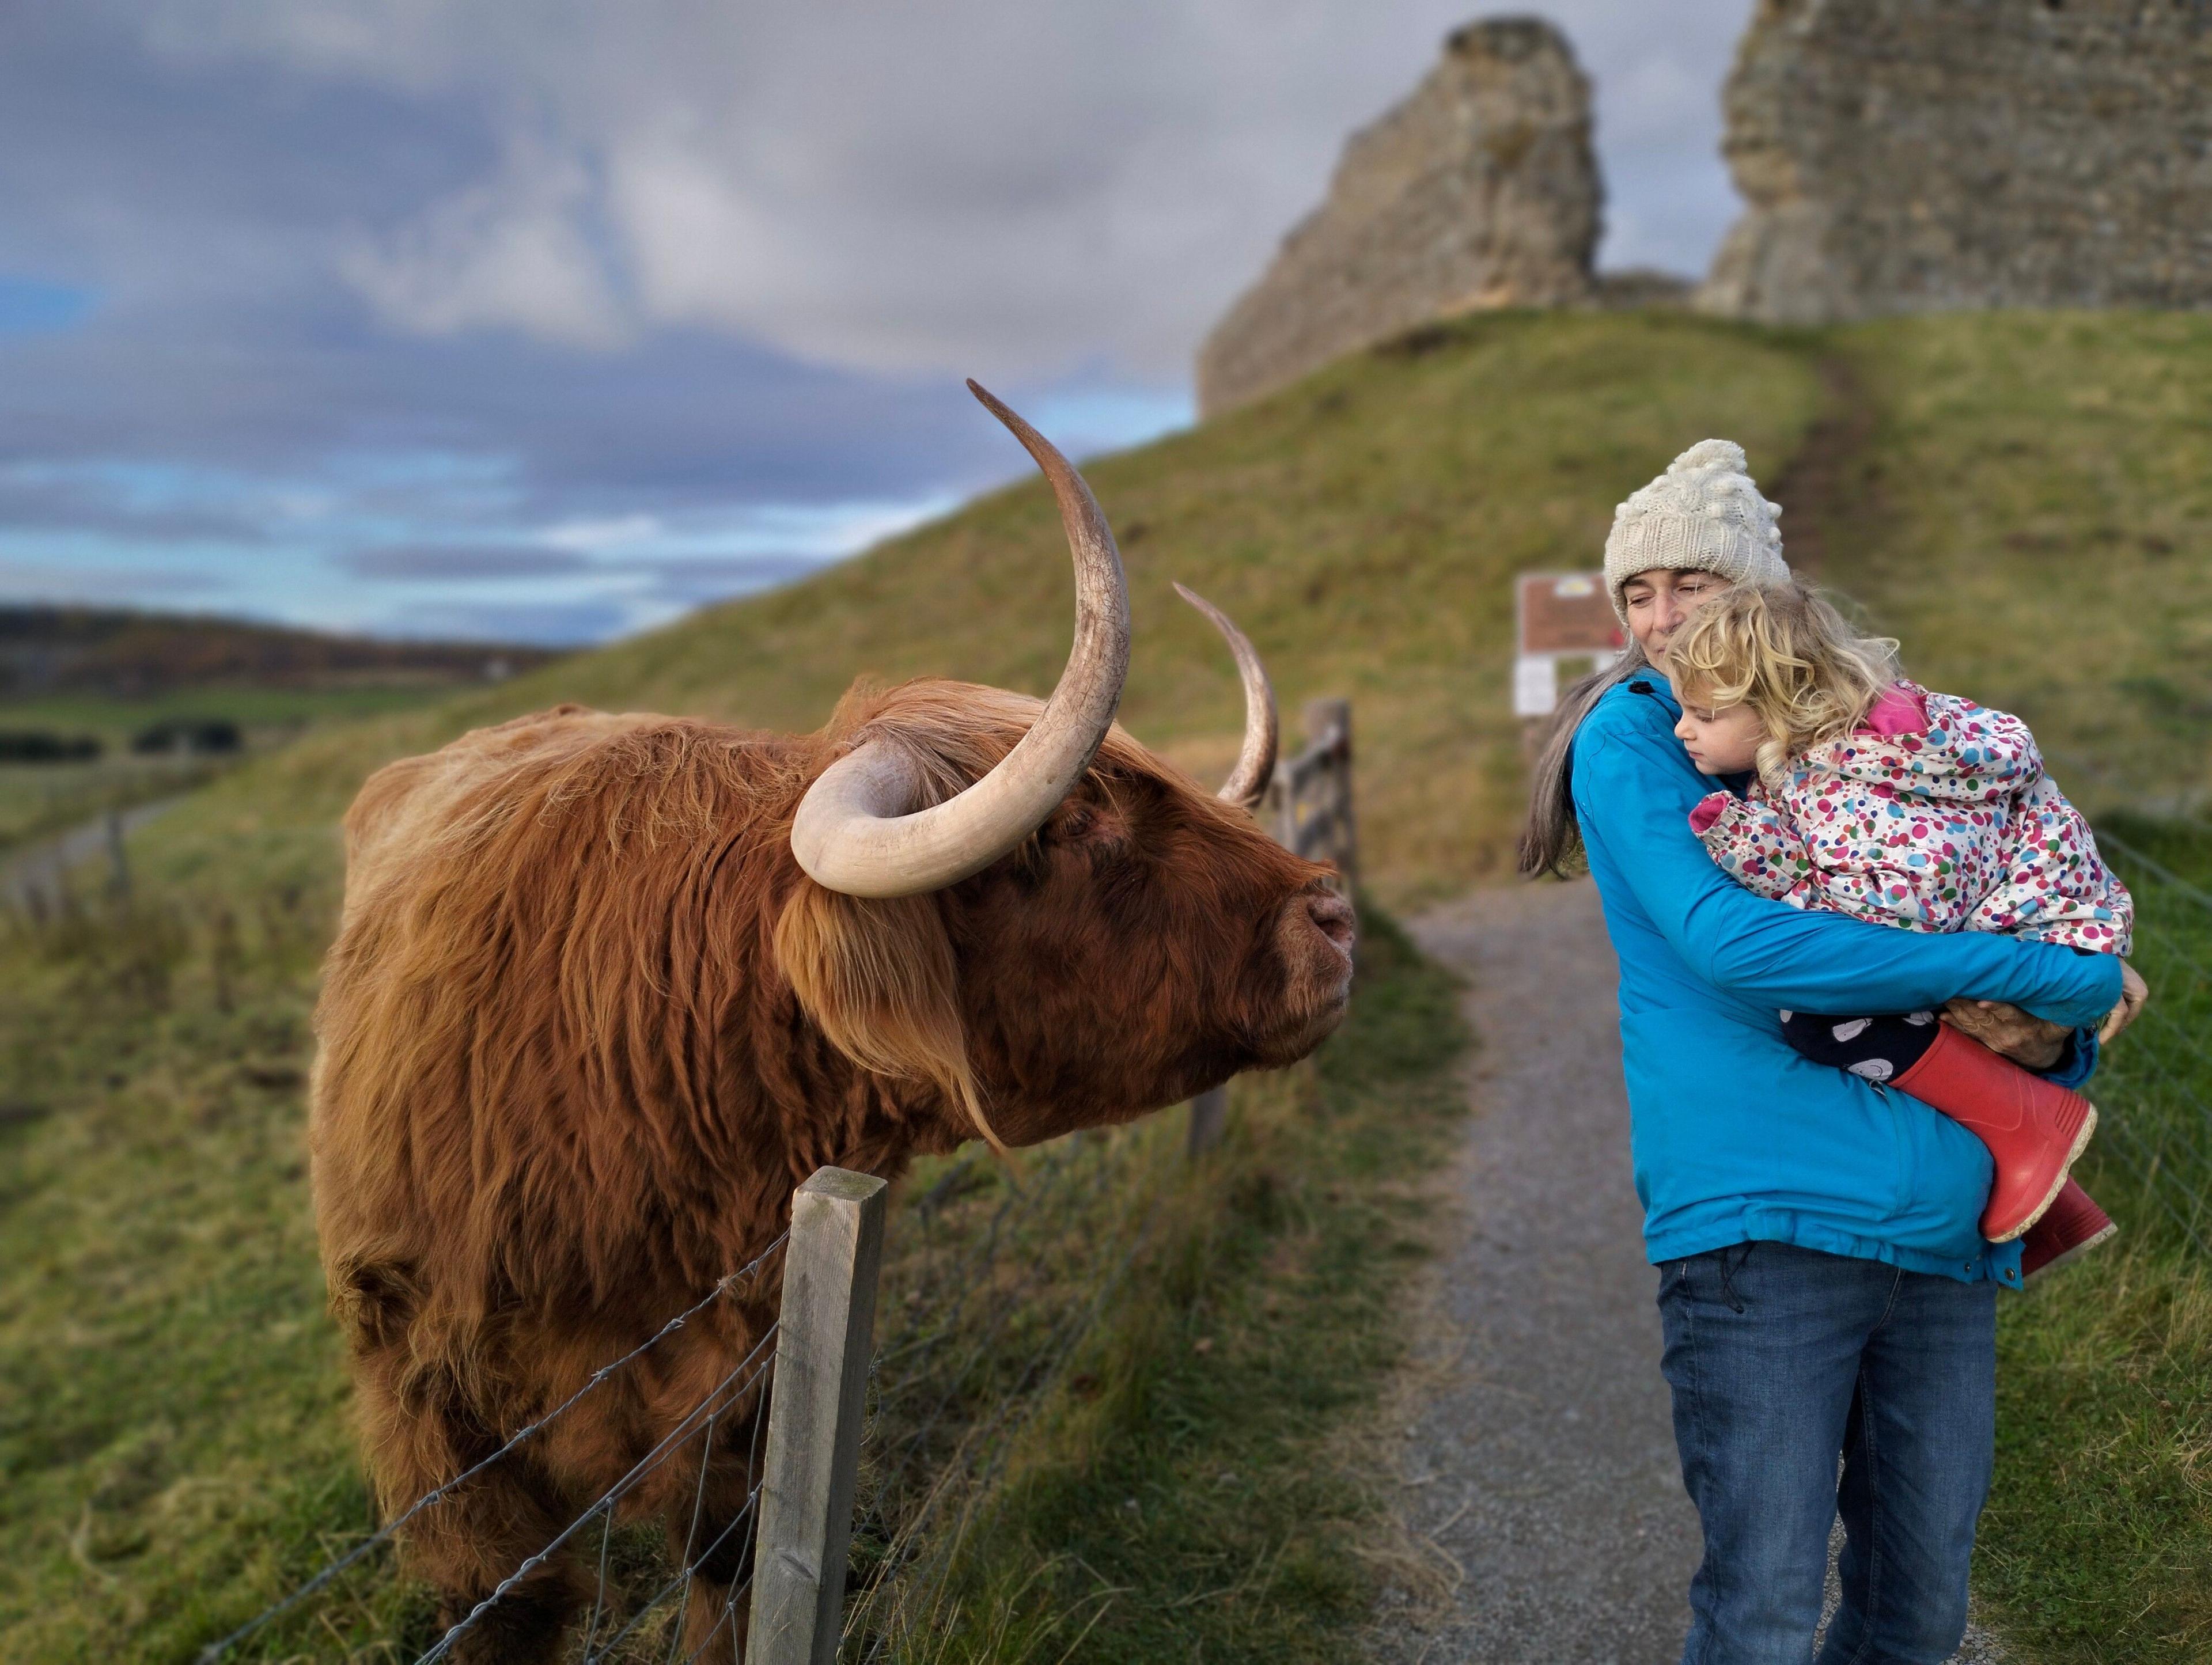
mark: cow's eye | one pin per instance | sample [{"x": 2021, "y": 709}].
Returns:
[{"x": 1088, "y": 824}]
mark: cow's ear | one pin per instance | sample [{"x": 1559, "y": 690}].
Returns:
[{"x": 877, "y": 976}]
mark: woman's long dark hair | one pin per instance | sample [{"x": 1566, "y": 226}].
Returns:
[{"x": 1551, "y": 840}]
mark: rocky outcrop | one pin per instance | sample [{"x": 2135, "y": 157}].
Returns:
[
  {"x": 1904, "y": 155},
  {"x": 1480, "y": 190}
]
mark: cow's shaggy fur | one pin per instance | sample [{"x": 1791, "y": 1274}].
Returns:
[{"x": 587, "y": 1026}]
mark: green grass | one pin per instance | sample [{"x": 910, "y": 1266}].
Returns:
[
  {"x": 2033, "y": 519},
  {"x": 1189, "y": 1483},
  {"x": 267, "y": 710},
  {"x": 2098, "y": 1543},
  {"x": 37, "y": 800},
  {"x": 2030, "y": 517},
  {"x": 174, "y": 1444},
  {"x": 171, "y": 1398},
  {"x": 1363, "y": 527}
]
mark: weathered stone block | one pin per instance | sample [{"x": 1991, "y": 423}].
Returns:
[
  {"x": 1480, "y": 190},
  {"x": 1903, "y": 155}
]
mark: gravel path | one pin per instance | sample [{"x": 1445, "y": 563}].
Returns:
[{"x": 1539, "y": 1464}]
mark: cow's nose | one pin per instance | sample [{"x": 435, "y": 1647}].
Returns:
[{"x": 1333, "y": 916}]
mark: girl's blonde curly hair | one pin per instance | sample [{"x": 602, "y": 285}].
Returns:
[{"x": 1786, "y": 651}]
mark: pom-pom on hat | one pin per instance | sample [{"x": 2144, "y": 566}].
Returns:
[{"x": 1703, "y": 514}]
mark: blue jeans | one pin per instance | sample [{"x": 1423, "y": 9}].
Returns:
[{"x": 1785, "y": 1361}]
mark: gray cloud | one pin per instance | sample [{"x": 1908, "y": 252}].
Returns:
[
  {"x": 978, "y": 183},
  {"x": 54, "y": 581},
  {"x": 51, "y": 504},
  {"x": 450, "y": 273},
  {"x": 692, "y": 580},
  {"x": 459, "y": 563},
  {"x": 552, "y": 624}
]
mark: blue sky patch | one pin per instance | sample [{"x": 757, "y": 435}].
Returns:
[{"x": 33, "y": 305}]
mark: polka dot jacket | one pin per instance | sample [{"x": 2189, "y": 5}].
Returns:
[{"x": 1945, "y": 822}]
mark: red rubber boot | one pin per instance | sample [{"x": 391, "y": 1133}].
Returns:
[
  {"x": 2073, "y": 1226},
  {"x": 2033, "y": 1128}
]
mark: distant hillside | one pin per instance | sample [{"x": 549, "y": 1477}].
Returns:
[
  {"x": 124, "y": 654},
  {"x": 1364, "y": 526},
  {"x": 2025, "y": 498}
]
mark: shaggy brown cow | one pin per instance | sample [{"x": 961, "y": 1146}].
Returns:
[{"x": 607, "y": 988}]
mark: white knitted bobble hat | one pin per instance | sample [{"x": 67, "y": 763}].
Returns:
[{"x": 1703, "y": 514}]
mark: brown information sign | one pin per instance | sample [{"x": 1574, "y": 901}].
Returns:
[
  {"x": 1562, "y": 616},
  {"x": 1567, "y": 613}
]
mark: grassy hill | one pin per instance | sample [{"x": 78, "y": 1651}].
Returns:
[
  {"x": 2029, "y": 507},
  {"x": 2022, "y": 498},
  {"x": 1364, "y": 528}
]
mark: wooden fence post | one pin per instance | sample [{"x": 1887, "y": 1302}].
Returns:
[
  {"x": 819, "y": 1394},
  {"x": 1307, "y": 810},
  {"x": 1328, "y": 732},
  {"x": 119, "y": 861},
  {"x": 1209, "y": 1120}
]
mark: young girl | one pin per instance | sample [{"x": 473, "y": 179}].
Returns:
[{"x": 1874, "y": 797}]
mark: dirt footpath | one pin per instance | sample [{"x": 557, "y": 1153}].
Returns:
[
  {"x": 1539, "y": 1464},
  {"x": 1540, "y": 1459}
]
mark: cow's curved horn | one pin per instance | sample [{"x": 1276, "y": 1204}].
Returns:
[
  {"x": 857, "y": 831},
  {"x": 1255, "y": 760}
]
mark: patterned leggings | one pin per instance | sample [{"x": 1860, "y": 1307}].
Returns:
[{"x": 1875, "y": 1048}]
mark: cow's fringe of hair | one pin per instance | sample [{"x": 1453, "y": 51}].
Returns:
[{"x": 877, "y": 976}]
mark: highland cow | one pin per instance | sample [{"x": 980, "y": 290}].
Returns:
[{"x": 607, "y": 988}]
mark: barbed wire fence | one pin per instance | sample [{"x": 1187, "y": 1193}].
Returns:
[
  {"x": 2154, "y": 1091},
  {"x": 985, "y": 1341},
  {"x": 978, "y": 1343},
  {"x": 1002, "y": 1276},
  {"x": 750, "y": 1373},
  {"x": 1307, "y": 809}
]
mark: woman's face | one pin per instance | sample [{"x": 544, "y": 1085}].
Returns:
[{"x": 1660, "y": 602}]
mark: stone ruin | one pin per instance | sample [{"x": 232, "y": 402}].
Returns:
[
  {"x": 1897, "y": 156},
  {"x": 1480, "y": 190},
  {"x": 1905, "y": 155}
]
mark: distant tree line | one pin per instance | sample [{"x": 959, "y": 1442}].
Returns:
[
  {"x": 43, "y": 746},
  {"x": 197, "y": 737},
  {"x": 55, "y": 649}
]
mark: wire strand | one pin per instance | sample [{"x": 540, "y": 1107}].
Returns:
[
  {"x": 644, "y": 1465},
  {"x": 321, "y": 1580}
]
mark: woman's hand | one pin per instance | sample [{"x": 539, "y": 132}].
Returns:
[
  {"x": 2134, "y": 991},
  {"x": 2032, "y": 1042}
]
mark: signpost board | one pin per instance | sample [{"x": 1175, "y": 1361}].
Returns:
[{"x": 1559, "y": 616}]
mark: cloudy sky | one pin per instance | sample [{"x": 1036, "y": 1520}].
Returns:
[{"x": 549, "y": 320}]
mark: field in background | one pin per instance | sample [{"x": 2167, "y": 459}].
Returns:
[
  {"x": 171, "y": 1441},
  {"x": 37, "y": 800},
  {"x": 107, "y": 675},
  {"x": 267, "y": 715}
]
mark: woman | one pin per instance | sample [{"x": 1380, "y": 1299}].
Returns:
[{"x": 1823, "y": 1290}]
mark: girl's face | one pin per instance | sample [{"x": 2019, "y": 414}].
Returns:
[
  {"x": 1723, "y": 740},
  {"x": 1660, "y": 602}
]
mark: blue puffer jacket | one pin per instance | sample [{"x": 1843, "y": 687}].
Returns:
[{"x": 1735, "y": 1136}]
